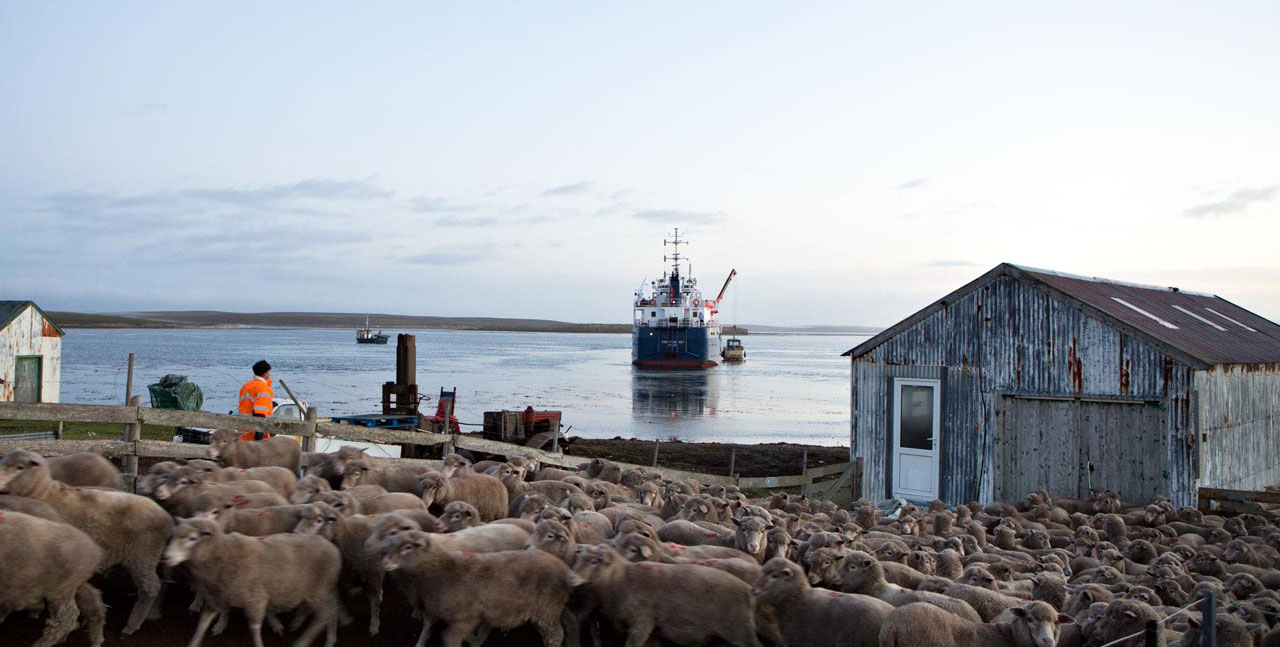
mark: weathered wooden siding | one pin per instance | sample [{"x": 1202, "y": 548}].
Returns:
[
  {"x": 1239, "y": 419},
  {"x": 30, "y": 334},
  {"x": 1069, "y": 447},
  {"x": 1013, "y": 337}
]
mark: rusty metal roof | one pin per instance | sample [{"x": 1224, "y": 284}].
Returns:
[
  {"x": 1202, "y": 326},
  {"x": 9, "y": 310}
]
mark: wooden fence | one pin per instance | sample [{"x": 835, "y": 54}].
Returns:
[
  {"x": 1236, "y": 501},
  {"x": 132, "y": 447}
]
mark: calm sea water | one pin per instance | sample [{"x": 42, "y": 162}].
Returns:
[{"x": 792, "y": 388}]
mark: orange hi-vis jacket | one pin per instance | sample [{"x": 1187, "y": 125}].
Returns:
[
  {"x": 255, "y": 399},
  {"x": 255, "y": 396}
]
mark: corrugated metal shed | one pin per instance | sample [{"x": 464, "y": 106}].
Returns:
[
  {"x": 1203, "y": 327},
  {"x": 31, "y": 341},
  {"x": 1076, "y": 383}
]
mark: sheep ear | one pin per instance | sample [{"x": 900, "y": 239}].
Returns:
[
  {"x": 1018, "y": 612},
  {"x": 647, "y": 551},
  {"x": 736, "y": 522},
  {"x": 1129, "y": 614},
  {"x": 866, "y": 563},
  {"x": 1064, "y": 619}
]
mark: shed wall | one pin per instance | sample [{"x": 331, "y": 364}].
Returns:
[
  {"x": 30, "y": 334},
  {"x": 1013, "y": 337},
  {"x": 1239, "y": 419}
]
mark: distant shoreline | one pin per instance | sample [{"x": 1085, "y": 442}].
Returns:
[{"x": 196, "y": 319}]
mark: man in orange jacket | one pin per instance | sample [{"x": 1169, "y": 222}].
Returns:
[{"x": 256, "y": 396}]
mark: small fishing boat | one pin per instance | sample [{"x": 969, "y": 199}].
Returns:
[
  {"x": 367, "y": 336},
  {"x": 733, "y": 351}
]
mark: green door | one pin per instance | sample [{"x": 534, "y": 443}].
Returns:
[{"x": 26, "y": 382}]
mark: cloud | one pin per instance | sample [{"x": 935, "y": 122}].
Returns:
[
  {"x": 455, "y": 221},
  {"x": 570, "y": 189},
  {"x": 312, "y": 189},
  {"x": 951, "y": 262},
  {"x": 913, "y": 184},
  {"x": 446, "y": 256},
  {"x": 438, "y": 205},
  {"x": 679, "y": 216},
  {"x": 1239, "y": 200}
]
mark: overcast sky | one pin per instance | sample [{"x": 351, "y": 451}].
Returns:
[{"x": 854, "y": 161}]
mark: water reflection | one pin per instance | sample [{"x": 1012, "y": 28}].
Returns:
[{"x": 670, "y": 397}]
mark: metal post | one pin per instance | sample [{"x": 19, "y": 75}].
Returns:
[
  {"x": 1151, "y": 636},
  {"x": 1208, "y": 613},
  {"x": 655, "y": 453},
  {"x": 733, "y": 456},
  {"x": 555, "y": 439}
]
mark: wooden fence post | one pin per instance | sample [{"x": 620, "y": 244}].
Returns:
[
  {"x": 128, "y": 394},
  {"x": 733, "y": 455},
  {"x": 804, "y": 470},
  {"x": 655, "y": 453},
  {"x": 57, "y": 433},
  {"x": 309, "y": 442},
  {"x": 132, "y": 433}
]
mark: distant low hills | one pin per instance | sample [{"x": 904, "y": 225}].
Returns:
[
  {"x": 217, "y": 319},
  {"x": 389, "y": 322}
]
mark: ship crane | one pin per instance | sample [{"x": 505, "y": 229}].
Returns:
[{"x": 720, "y": 297}]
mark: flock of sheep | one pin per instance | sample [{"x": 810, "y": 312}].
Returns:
[{"x": 604, "y": 554}]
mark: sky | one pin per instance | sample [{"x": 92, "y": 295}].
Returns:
[{"x": 853, "y": 161}]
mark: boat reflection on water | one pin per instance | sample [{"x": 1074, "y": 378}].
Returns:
[{"x": 667, "y": 397}]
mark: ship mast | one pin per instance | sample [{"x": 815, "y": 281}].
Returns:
[{"x": 677, "y": 290}]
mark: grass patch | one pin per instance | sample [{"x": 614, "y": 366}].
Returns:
[{"x": 83, "y": 430}]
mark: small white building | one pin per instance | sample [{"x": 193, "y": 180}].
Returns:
[{"x": 30, "y": 354}]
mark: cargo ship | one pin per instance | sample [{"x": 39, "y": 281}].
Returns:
[{"x": 673, "y": 326}]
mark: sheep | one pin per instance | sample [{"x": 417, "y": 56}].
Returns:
[
  {"x": 349, "y": 534},
  {"x": 1123, "y": 618},
  {"x": 178, "y": 490},
  {"x": 486, "y": 493},
  {"x": 85, "y": 470},
  {"x": 690, "y": 533},
  {"x": 553, "y": 538},
  {"x": 393, "y": 478},
  {"x": 793, "y": 613},
  {"x": 26, "y": 505},
  {"x": 309, "y": 486},
  {"x": 48, "y": 565},
  {"x": 859, "y": 572},
  {"x": 1229, "y": 631},
  {"x": 281, "y": 451},
  {"x": 212, "y": 505},
  {"x": 683, "y": 603},
  {"x": 280, "y": 479},
  {"x": 637, "y": 548},
  {"x": 260, "y": 522},
  {"x": 330, "y": 466},
  {"x": 380, "y": 502},
  {"x": 259, "y": 576},
  {"x": 131, "y": 530},
  {"x": 1033, "y": 625},
  {"x": 553, "y": 490},
  {"x": 986, "y": 602},
  {"x": 146, "y": 485},
  {"x": 475, "y": 591}
]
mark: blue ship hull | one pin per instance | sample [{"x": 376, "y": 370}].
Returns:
[{"x": 675, "y": 348}]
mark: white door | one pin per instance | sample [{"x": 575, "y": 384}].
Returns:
[{"x": 916, "y": 436}]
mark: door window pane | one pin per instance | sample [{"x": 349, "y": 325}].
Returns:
[{"x": 916, "y": 422}]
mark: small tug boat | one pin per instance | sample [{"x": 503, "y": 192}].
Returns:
[{"x": 367, "y": 336}]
